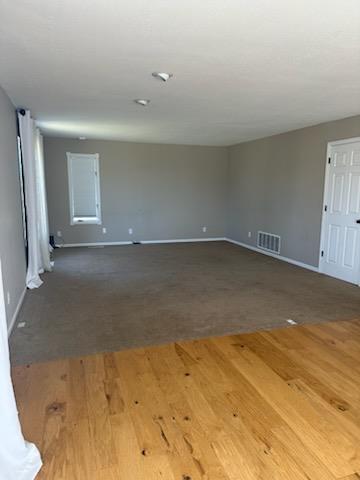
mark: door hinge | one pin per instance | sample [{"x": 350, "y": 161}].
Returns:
[
  {"x": 325, "y": 208},
  {"x": 329, "y": 160},
  {"x": 322, "y": 253}
]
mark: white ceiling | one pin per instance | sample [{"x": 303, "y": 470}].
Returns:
[{"x": 242, "y": 69}]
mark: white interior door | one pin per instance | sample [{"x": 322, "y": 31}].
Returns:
[{"x": 340, "y": 256}]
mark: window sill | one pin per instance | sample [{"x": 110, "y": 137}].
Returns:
[{"x": 85, "y": 221}]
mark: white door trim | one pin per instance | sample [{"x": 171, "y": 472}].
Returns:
[{"x": 325, "y": 194}]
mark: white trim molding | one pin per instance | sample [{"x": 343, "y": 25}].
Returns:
[
  {"x": 186, "y": 240},
  {"x": 274, "y": 255},
  {"x": 16, "y": 313},
  {"x": 144, "y": 242},
  {"x": 93, "y": 244}
]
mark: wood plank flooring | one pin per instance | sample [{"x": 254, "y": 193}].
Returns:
[{"x": 281, "y": 404}]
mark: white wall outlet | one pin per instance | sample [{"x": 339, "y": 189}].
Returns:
[
  {"x": 249, "y": 234},
  {"x": 59, "y": 233},
  {"x": 104, "y": 230},
  {"x": 204, "y": 229},
  {"x": 130, "y": 231},
  {"x": 8, "y": 298},
  {"x": 21, "y": 325}
]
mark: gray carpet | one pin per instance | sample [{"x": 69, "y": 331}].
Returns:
[{"x": 112, "y": 298}]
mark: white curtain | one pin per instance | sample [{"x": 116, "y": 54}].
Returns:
[
  {"x": 43, "y": 222},
  {"x": 19, "y": 459},
  {"x": 35, "y": 200}
]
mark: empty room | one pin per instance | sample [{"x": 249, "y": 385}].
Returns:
[{"x": 180, "y": 240}]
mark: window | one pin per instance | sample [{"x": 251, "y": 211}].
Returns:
[{"x": 84, "y": 188}]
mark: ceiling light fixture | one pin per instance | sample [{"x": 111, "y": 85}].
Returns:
[
  {"x": 142, "y": 101},
  {"x": 163, "y": 76},
  {"x": 82, "y": 138}
]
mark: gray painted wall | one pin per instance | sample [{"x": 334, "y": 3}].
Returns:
[
  {"x": 12, "y": 251},
  {"x": 161, "y": 191},
  {"x": 276, "y": 185}
]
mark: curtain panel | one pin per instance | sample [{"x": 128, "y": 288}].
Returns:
[{"x": 35, "y": 200}]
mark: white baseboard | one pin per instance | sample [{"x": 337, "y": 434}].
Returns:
[
  {"x": 94, "y": 244},
  {"x": 274, "y": 255},
  {"x": 186, "y": 240},
  {"x": 173, "y": 240},
  {"x": 17, "y": 309}
]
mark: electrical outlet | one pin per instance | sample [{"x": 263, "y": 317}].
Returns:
[
  {"x": 104, "y": 230},
  {"x": 204, "y": 229},
  {"x": 59, "y": 233},
  {"x": 249, "y": 234},
  {"x": 8, "y": 298},
  {"x": 130, "y": 231}
]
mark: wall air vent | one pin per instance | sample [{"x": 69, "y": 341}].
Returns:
[{"x": 269, "y": 242}]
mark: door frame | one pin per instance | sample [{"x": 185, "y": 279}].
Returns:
[{"x": 325, "y": 194}]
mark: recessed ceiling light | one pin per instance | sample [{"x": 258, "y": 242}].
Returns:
[
  {"x": 162, "y": 76},
  {"x": 142, "y": 101},
  {"x": 82, "y": 138}
]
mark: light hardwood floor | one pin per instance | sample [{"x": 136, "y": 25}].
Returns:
[{"x": 280, "y": 404}]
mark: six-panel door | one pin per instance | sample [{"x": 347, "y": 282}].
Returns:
[{"x": 342, "y": 232}]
